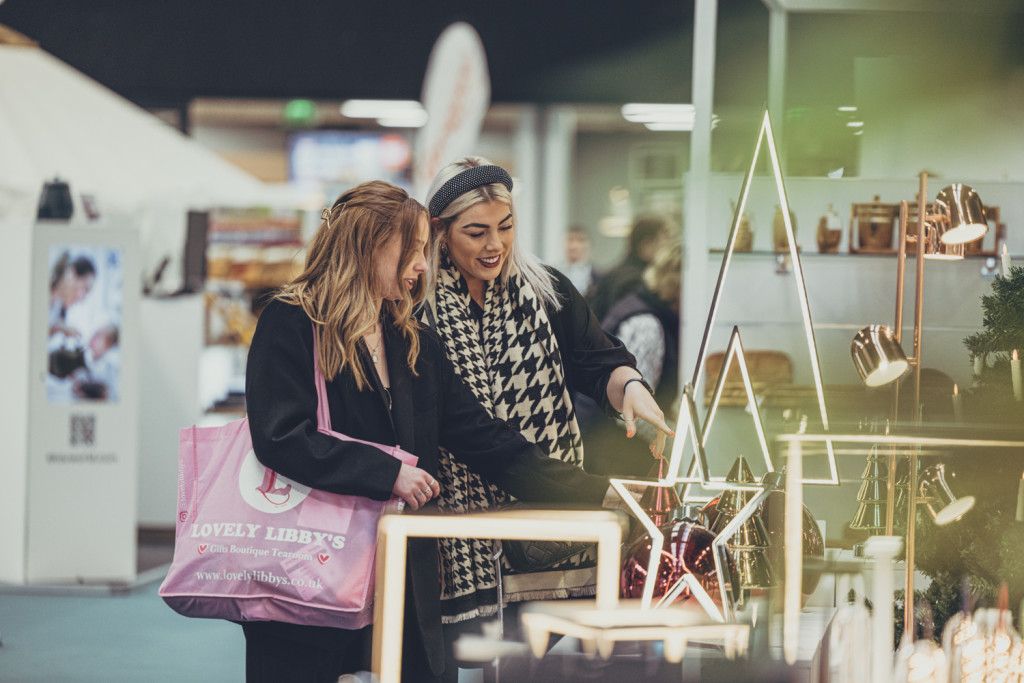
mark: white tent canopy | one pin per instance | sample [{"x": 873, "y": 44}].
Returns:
[{"x": 57, "y": 122}]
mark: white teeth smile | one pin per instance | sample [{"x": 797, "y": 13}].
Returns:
[{"x": 490, "y": 261}]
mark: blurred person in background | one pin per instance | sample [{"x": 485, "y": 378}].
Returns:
[
  {"x": 578, "y": 267},
  {"x": 648, "y": 235},
  {"x": 523, "y": 338},
  {"x": 648, "y": 324}
]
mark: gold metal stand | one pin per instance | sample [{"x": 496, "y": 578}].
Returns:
[{"x": 915, "y": 364}]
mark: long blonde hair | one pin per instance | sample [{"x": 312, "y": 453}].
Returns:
[
  {"x": 338, "y": 287},
  {"x": 528, "y": 265}
]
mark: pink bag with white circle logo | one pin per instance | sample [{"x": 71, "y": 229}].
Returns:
[{"x": 252, "y": 545}]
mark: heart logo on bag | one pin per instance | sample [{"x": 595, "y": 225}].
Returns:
[
  {"x": 203, "y": 547},
  {"x": 323, "y": 557}
]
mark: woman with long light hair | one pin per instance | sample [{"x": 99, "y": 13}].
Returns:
[
  {"x": 388, "y": 382},
  {"x": 524, "y": 340}
]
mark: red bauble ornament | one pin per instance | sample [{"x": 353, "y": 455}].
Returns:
[{"x": 687, "y": 550}]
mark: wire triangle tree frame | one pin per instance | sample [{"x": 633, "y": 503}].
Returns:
[{"x": 767, "y": 139}]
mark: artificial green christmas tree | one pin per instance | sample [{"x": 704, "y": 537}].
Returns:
[
  {"x": 991, "y": 399},
  {"x": 987, "y": 544}
]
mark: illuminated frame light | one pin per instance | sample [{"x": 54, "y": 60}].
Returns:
[
  {"x": 686, "y": 426},
  {"x": 734, "y": 350},
  {"x": 394, "y": 532},
  {"x": 599, "y": 630},
  {"x": 719, "y": 549},
  {"x": 718, "y": 546},
  {"x": 765, "y": 136}
]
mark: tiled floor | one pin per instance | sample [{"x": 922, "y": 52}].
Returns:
[{"x": 112, "y": 637}]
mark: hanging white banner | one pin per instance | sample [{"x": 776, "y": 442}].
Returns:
[{"x": 456, "y": 94}]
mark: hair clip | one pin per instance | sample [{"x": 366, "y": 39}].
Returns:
[{"x": 326, "y": 214}]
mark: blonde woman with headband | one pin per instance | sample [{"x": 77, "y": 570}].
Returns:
[
  {"x": 523, "y": 339},
  {"x": 389, "y": 382}
]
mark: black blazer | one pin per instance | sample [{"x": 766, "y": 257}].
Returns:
[
  {"x": 589, "y": 352},
  {"x": 433, "y": 408}
]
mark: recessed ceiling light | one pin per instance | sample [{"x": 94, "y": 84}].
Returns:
[
  {"x": 412, "y": 119},
  {"x": 669, "y": 125},
  {"x": 377, "y": 109},
  {"x": 659, "y": 113}
]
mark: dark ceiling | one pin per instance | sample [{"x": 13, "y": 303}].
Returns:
[{"x": 164, "y": 53}]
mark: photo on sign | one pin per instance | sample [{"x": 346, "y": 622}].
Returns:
[{"x": 83, "y": 344}]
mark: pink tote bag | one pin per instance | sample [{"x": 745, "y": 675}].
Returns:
[{"x": 252, "y": 545}]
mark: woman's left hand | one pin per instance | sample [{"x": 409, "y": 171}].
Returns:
[{"x": 638, "y": 404}]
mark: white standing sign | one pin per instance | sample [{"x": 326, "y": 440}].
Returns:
[
  {"x": 83, "y": 405},
  {"x": 456, "y": 94}
]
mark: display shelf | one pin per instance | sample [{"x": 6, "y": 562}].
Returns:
[
  {"x": 858, "y": 255},
  {"x": 810, "y": 198},
  {"x": 250, "y": 251}
]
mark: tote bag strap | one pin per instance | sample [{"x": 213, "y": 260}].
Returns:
[
  {"x": 193, "y": 505},
  {"x": 323, "y": 412}
]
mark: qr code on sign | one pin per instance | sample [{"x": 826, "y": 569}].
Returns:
[{"x": 83, "y": 430}]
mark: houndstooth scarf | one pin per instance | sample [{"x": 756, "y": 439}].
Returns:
[{"x": 512, "y": 364}]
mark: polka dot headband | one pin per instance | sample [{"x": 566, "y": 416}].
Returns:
[{"x": 470, "y": 179}]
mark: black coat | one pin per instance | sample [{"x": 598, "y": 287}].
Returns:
[{"x": 433, "y": 408}]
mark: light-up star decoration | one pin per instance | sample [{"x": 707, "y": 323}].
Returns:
[
  {"x": 735, "y": 347},
  {"x": 733, "y": 351},
  {"x": 689, "y": 427},
  {"x": 687, "y": 430}
]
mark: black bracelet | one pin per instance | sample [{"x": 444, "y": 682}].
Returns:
[{"x": 642, "y": 381}]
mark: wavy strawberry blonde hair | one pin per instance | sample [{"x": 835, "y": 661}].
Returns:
[{"x": 338, "y": 287}]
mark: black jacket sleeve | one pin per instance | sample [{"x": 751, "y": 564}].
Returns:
[
  {"x": 281, "y": 402},
  {"x": 589, "y": 353},
  {"x": 494, "y": 450}
]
